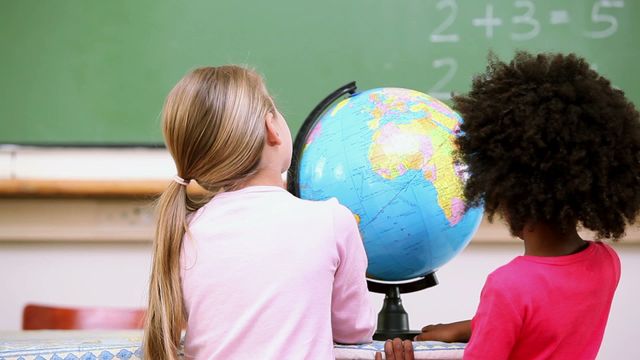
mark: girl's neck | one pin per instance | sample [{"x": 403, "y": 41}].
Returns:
[
  {"x": 544, "y": 240},
  {"x": 265, "y": 177}
]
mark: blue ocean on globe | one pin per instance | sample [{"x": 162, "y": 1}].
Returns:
[{"x": 387, "y": 154}]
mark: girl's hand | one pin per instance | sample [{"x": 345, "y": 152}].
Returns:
[
  {"x": 397, "y": 350},
  {"x": 455, "y": 332}
]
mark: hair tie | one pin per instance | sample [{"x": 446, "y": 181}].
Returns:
[{"x": 181, "y": 181}]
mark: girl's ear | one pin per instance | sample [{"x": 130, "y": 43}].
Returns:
[{"x": 273, "y": 136}]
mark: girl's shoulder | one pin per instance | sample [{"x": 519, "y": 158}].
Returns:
[
  {"x": 606, "y": 247},
  {"x": 526, "y": 266},
  {"x": 611, "y": 255},
  {"x": 331, "y": 204},
  {"x": 341, "y": 217},
  {"x": 277, "y": 205}
]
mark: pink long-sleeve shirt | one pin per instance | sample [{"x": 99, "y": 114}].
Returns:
[
  {"x": 266, "y": 275},
  {"x": 537, "y": 308}
]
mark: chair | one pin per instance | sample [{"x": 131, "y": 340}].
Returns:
[{"x": 41, "y": 317}]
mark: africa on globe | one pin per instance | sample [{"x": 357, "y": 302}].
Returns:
[{"x": 388, "y": 155}]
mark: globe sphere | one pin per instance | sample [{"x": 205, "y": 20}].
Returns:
[{"x": 388, "y": 155}]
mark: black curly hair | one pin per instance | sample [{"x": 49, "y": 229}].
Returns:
[{"x": 547, "y": 139}]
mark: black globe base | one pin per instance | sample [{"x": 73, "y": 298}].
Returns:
[
  {"x": 393, "y": 320},
  {"x": 387, "y": 335}
]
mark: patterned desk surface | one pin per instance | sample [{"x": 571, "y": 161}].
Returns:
[{"x": 125, "y": 345}]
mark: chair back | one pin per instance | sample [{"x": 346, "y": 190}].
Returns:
[{"x": 42, "y": 317}]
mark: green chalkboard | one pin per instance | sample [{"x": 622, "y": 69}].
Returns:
[{"x": 96, "y": 72}]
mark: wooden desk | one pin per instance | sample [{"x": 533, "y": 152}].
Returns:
[{"x": 50, "y": 345}]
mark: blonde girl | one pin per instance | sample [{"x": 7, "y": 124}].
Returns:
[{"x": 251, "y": 271}]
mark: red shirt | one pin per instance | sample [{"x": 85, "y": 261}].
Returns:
[{"x": 546, "y": 307}]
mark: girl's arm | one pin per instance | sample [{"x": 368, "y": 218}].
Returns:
[
  {"x": 497, "y": 321},
  {"x": 352, "y": 316},
  {"x": 454, "y": 332}
]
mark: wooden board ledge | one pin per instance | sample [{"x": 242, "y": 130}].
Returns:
[{"x": 87, "y": 188}]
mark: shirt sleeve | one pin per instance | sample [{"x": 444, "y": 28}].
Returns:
[
  {"x": 352, "y": 317},
  {"x": 615, "y": 261},
  {"x": 496, "y": 324}
]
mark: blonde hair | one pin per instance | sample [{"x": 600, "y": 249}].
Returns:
[{"x": 213, "y": 125}]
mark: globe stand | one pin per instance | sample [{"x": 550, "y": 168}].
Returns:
[
  {"x": 293, "y": 185},
  {"x": 393, "y": 320}
]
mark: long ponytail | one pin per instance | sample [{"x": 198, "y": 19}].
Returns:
[{"x": 165, "y": 315}]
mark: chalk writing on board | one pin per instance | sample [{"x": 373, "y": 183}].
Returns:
[
  {"x": 598, "y": 16},
  {"x": 527, "y": 20},
  {"x": 559, "y": 17},
  {"x": 526, "y": 25},
  {"x": 451, "y": 66},
  {"x": 438, "y": 34},
  {"x": 488, "y": 21}
]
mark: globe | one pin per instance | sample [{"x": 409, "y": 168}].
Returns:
[{"x": 387, "y": 154}]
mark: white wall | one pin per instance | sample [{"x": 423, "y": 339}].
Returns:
[
  {"x": 115, "y": 274},
  {"x": 76, "y": 274}
]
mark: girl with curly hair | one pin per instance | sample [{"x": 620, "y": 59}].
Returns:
[{"x": 551, "y": 147}]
